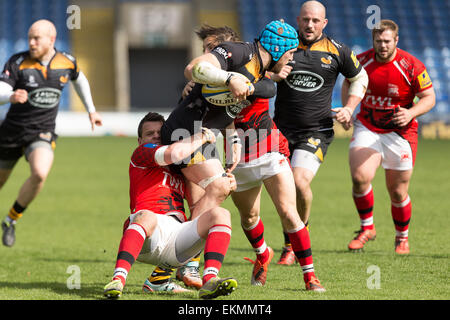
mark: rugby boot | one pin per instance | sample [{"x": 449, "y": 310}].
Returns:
[
  {"x": 113, "y": 290},
  {"x": 190, "y": 276},
  {"x": 287, "y": 257},
  {"x": 9, "y": 234},
  {"x": 259, "y": 274},
  {"x": 401, "y": 245},
  {"x": 358, "y": 242},
  {"x": 314, "y": 285},
  {"x": 167, "y": 286},
  {"x": 216, "y": 287}
]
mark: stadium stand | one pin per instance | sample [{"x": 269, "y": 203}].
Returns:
[
  {"x": 16, "y": 16},
  {"x": 424, "y": 32}
]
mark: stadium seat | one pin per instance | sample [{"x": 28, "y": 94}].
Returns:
[
  {"x": 347, "y": 21},
  {"x": 16, "y": 16}
]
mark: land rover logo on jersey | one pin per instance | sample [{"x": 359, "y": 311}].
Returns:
[
  {"x": 304, "y": 81},
  {"x": 235, "y": 109},
  {"x": 44, "y": 97}
]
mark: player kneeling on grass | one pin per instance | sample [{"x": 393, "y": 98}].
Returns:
[{"x": 156, "y": 231}]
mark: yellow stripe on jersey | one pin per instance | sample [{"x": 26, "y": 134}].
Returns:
[
  {"x": 319, "y": 154},
  {"x": 325, "y": 45},
  {"x": 61, "y": 62},
  {"x": 254, "y": 68},
  {"x": 198, "y": 157},
  {"x": 33, "y": 64}
]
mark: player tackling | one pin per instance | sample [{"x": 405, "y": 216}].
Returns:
[
  {"x": 385, "y": 131},
  {"x": 157, "y": 231}
]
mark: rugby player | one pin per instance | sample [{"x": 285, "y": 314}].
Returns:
[
  {"x": 157, "y": 231},
  {"x": 273, "y": 50},
  {"x": 303, "y": 103},
  {"x": 385, "y": 131},
  {"x": 32, "y": 82},
  {"x": 265, "y": 160}
]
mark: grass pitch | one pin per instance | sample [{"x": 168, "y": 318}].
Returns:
[{"x": 67, "y": 239}]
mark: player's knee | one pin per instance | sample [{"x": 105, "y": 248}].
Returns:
[
  {"x": 397, "y": 194},
  {"x": 38, "y": 177},
  {"x": 303, "y": 186},
  {"x": 360, "y": 180},
  {"x": 147, "y": 220},
  {"x": 220, "y": 215},
  {"x": 249, "y": 220}
]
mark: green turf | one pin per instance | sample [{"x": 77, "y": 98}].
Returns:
[{"x": 76, "y": 224}]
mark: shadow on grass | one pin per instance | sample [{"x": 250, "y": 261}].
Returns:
[
  {"x": 88, "y": 291},
  {"x": 93, "y": 291}
]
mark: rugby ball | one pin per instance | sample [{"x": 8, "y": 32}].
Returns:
[{"x": 221, "y": 95}]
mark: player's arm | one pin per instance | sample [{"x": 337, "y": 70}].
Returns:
[
  {"x": 352, "y": 92},
  {"x": 8, "y": 94},
  {"x": 264, "y": 88},
  {"x": 8, "y": 79},
  {"x": 427, "y": 100},
  {"x": 182, "y": 149},
  {"x": 83, "y": 89},
  {"x": 206, "y": 69}
]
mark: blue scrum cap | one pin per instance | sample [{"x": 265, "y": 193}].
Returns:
[{"x": 277, "y": 38}]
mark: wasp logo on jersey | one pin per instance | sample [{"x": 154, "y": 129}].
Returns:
[
  {"x": 326, "y": 60},
  {"x": 312, "y": 142}
]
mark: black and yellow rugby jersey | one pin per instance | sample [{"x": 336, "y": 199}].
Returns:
[
  {"x": 303, "y": 101},
  {"x": 44, "y": 85},
  {"x": 233, "y": 56}
]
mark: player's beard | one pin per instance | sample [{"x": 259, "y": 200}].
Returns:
[
  {"x": 306, "y": 41},
  {"x": 387, "y": 57}
]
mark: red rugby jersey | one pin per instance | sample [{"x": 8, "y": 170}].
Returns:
[
  {"x": 261, "y": 134},
  {"x": 391, "y": 85},
  {"x": 153, "y": 187}
]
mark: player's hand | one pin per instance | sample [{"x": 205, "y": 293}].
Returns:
[
  {"x": 236, "y": 149},
  {"x": 208, "y": 135},
  {"x": 233, "y": 183},
  {"x": 344, "y": 116},
  {"x": 187, "y": 89},
  {"x": 282, "y": 75},
  {"x": 402, "y": 117},
  {"x": 19, "y": 96},
  {"x": 95, "y": 119},
  {"x": 347, "y": 125},
  {"x": 239, "y": 88}
]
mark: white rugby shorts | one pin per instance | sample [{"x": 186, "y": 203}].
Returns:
[
  {"x": 172, "y": 244},
  {"x": 252, "y": 174},
  {"x": 395, "y": 151}
]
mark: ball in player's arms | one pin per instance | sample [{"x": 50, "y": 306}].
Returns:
[{"x": 221, "y": 95}]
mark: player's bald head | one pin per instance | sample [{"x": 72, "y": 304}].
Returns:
[
  {"x": 311, "y": 21},
  {"x": 43, "y": 28},
  {"x": 313, "y": 6},
  {"x": 41, "y": 39}
]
